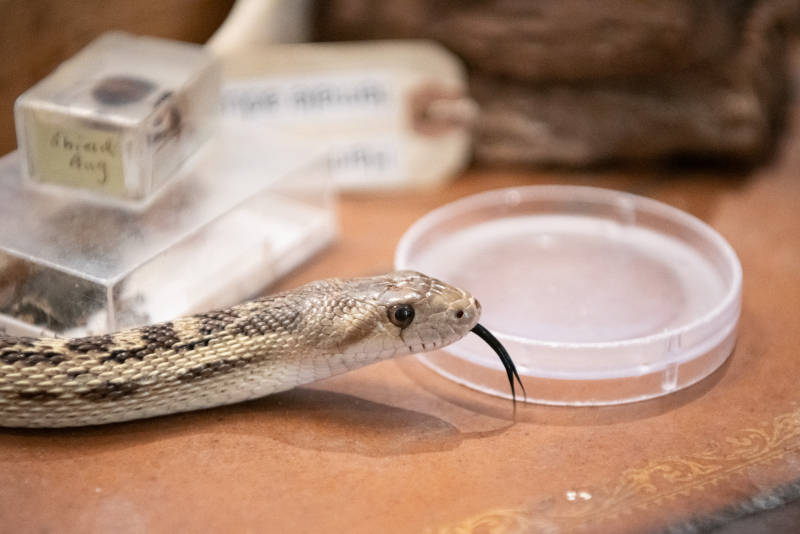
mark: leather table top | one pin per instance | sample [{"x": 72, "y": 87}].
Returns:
[{"x": 394, "y": 448}]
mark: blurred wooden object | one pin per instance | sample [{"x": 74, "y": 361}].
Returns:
[
  {"x": 37, "y": 35},
  {"x": 254, "y": 23},
  {"x": 570, "y": 82}
]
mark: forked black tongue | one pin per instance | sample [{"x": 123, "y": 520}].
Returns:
[{"x": 501, "y": 351}]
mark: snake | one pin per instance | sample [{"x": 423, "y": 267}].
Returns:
[{"x": 235, "y": 354}]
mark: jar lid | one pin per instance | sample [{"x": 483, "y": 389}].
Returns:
[{"x": 600, "y": 297}]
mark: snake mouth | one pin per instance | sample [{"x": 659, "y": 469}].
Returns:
[{"x": 500, "y": 350}]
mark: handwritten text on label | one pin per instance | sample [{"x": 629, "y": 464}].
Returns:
[
  {"x": 335, "y": 96},
  {"x": 79, "y": 157}
]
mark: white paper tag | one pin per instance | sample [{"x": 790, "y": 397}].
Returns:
[{"x": 355, "y": 113}]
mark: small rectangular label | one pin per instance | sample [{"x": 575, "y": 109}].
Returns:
[{"x": 79, "y": 157}]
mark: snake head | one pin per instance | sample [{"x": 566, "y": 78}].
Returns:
[
  {"x": 425, "y": 313},
  {"x": 405, "y": 312},
  {"x": 432, "y": 314},
  {"x": 400, "y": 313}
]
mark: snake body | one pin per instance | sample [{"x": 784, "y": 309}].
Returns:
[{"x": 230, "y": 355}]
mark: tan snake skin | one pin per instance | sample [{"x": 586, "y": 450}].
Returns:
[{"x": 225, "y": 356}]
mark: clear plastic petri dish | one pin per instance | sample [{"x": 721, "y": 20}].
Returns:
[{"x": 600, "y": 297}]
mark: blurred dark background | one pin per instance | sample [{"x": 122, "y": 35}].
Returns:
[{"x": 570, "y": 83}]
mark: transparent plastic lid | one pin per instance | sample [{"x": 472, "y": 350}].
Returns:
[{"x": 600, "y": 297}]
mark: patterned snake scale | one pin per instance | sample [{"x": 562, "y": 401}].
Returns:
[{"x": 231, "y": 355}]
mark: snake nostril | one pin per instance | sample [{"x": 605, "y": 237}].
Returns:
[{"x": 459, "y": 314}]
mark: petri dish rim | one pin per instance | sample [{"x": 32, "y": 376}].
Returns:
[{"x": 628, "y": 205}]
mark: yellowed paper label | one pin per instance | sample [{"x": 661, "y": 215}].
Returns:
[{"x": 79, "y": 157}]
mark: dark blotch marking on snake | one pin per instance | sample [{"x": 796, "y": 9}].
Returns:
[
  {"x": 273, "y": 314},
  {"x": 261, "y": 323},
  {"x": 190, "y": 345},
  {"x": 28, "y": 357},
  {"x": 23, "y": 349},
  {"x": 119, "y": 355},
  {"x": 157, "y": 337},
  {"x": 216, "y": 321},
  {"x": 209, "y": 369},
  {"x": 110, "y": 392},
  {"x": 153, "y": 339},
  {"x": 104, "y": 391},
  {"x": 85, "y": 345},
  {"x": 37, "y": 395}
]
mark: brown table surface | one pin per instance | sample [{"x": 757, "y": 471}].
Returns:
[{"x": 395, "y": 448}]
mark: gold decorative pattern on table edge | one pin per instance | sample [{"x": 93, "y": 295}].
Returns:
[{"x": 642, "y": 487}]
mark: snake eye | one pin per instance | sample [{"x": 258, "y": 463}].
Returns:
[{"x": 401, "y": 315}]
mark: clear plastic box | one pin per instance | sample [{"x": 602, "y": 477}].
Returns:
[
  {"x": 117, "y": 119},
  {"x": 241, "y": 213},
  {"x": 600, "y": 297}
]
